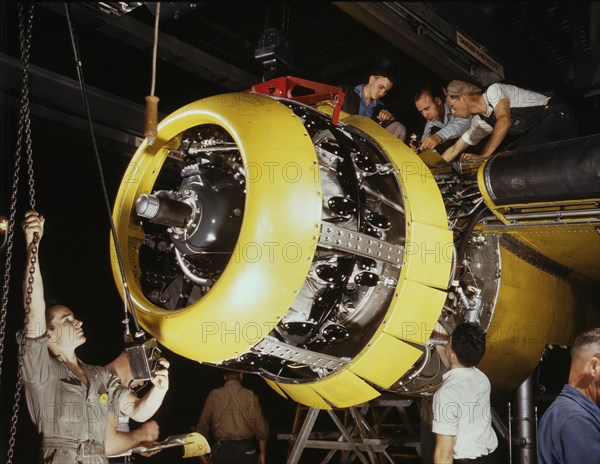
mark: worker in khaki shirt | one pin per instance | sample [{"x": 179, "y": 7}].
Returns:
[{"x": 234, "y": 416}]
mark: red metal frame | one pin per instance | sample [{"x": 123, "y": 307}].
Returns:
[{"x": 284, "y": 87}]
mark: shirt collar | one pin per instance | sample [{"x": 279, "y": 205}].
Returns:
[{"x": 457, "y": 372}]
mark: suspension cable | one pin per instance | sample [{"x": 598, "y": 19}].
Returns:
[
  {"x": 127, "y": 296},
  {"x": 155, "y": 48},
  {"x": 151, "y": 113},
  {"x": 23, "y": 137}
]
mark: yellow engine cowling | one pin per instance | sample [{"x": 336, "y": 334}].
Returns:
[{"x": 283, "y": 206}]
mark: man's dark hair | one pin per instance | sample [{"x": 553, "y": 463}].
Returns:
[
  {"x": 589, "y": 338},
  {"x": 50, "y": 302},
  {"x": 383, "y": 72},
  {"x": 468, "y": 343},
  {"x": 230, "y": 374},
  {"x": 430, "y": 89}
]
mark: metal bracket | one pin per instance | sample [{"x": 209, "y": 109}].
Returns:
[{"x": 338, "y": 238}]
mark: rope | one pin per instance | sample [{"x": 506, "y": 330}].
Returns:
[
  {"x": 151, "y": 115},
  {"x": 79, "y": 68},
  {"x": 155, "y": 48}
]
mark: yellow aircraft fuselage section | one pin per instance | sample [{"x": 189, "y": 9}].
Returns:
[
  {"x": 535, "y": 306},
  {"x": 533, "y": 309}
]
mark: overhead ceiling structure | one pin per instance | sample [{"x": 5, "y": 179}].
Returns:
[
  {"x": 539, "y": 43},
  {"x": 205, "y": 48}
]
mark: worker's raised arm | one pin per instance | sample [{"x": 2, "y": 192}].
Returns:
[{"x": 32, "y": 282}]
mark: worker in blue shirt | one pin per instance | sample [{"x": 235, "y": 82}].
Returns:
[
  {"x": 569, "y": 431},
  {"x": 365, "y": 100}
]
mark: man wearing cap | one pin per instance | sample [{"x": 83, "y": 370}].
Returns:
[
  {"x": 530, "y": 118},
  {"x": 364, "y": 100}
]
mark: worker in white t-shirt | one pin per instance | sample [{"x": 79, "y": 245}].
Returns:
[
  {"x": 462, "y": 421},
  {"x": 529, "y": 118}
]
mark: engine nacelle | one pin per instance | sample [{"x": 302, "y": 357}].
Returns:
[{"x": 260, "y": 236}]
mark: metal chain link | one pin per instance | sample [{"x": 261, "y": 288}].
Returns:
[
  {"x": 24, "y": 133},
  {"x": 21, "y": 341}
]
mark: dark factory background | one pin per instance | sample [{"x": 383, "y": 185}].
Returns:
[{"x": 207, "y": 48}]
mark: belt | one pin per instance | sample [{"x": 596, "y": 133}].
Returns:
[
  {"x": 121, "y": 460},
  {"x": 238, "y": 440},
  {"x": 481, "y": 459},
  {"x": 84, "y": 448}
]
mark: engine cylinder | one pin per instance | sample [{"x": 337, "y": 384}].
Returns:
[{"x": 163, "y": 210}]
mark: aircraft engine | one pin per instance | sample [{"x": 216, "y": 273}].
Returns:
[{"x": 259, "y": 236}]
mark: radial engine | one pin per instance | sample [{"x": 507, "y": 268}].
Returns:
[{"x": 260, "y": 236}]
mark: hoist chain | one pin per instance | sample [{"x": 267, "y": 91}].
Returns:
[
  {"x": 21, "y": 341},
  {"x": 24, "y": 131},
  {"x": 23, "y": 137}
]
